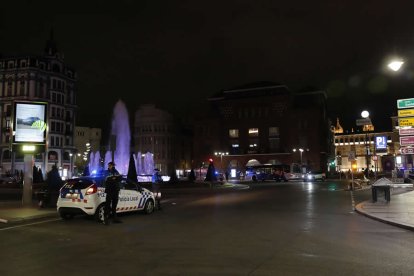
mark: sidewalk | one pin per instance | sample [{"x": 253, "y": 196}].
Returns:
[
  {"x": 399, "y": 211},
  {"x": 14, "y": 212}
]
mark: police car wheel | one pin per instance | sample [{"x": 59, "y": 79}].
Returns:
[
  {"x": 100, "y": 213},
  {"x": 149, "y": 207}
]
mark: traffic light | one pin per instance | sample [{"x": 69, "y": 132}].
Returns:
[{"x": 354, "y": 166}]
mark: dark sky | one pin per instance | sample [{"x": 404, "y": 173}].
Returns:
[{"x": 178, "y": 53}]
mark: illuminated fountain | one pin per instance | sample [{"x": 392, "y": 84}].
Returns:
[
  {"x": 121, "y": 132},
  {"x": 121, "y": 141}
]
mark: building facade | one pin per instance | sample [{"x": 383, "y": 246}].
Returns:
[
  {"x": 86, "y": 140},
  {"x": 267, "y": 123},
  {"x": 44, "y": 78},
  {"x": 155, "y": 132},
  {"x": 356, "y": 150}
]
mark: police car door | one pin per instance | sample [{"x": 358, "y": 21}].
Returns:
[{"x": 133, "y": 200}]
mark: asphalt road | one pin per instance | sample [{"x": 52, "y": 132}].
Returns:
[{"x": 292, "y": 228}]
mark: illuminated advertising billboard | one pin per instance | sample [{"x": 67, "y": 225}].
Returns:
[
  {"x": 381, "y": 143},
  {"x": 29, "y": 124}
]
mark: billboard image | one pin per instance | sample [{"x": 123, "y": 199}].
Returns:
[
  {"x": 381, "y": 143},
  {"x": 29, "y": 123}
]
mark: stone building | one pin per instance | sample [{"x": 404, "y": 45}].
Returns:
[
  {"x": 267, "y": 123},
  {"x": 356, "y": 150},
  {"x": 39, "y": 78}
]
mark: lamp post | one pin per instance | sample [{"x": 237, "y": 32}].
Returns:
[
  {"x": 221, "y": 157},
  {"x": 301, "y": 150},
  {"x": 365, "y": 115},
  {"x": 71, "y": 165}
]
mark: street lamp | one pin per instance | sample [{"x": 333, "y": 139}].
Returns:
[
  {"x": 395, "y": 65},
  {"x": 301, "y": 150},
  {"x": 221, "y": 157},
  {"x": 71, "y": 165},
  {"x": 365, "y": 115}
]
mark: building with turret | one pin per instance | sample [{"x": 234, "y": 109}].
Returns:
[{"x": 39, "y": 78}]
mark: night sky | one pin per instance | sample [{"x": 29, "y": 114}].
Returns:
[{"x": 177, "y": 53}]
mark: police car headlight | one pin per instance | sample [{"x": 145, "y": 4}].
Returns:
[{"x": 309, "y": 176}]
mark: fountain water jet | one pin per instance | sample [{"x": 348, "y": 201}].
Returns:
[
  {"x": 121, "y": 141},
  {"x": 121, "y": 131}
]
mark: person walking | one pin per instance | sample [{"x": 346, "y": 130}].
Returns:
[
  {"x": 156, "y": 181},
  {"x": 112, "y": 193}
]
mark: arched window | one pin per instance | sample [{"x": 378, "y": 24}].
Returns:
[
  {"x": 56, "y": 68},
  {"x": 6, "y": 155},
  {"x": 66, "y": 156},
  {"x": 53, "y": 156}
]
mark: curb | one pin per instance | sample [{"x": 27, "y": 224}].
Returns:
[
  {"x": 359, "y": 210},
  {"x": 28, "y": 218}
]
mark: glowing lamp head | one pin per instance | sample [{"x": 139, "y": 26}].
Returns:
[
  {"x": 395, "y": 65},
  {"x": 28, "y": 148},
  {"x": 364, "y": 114}
]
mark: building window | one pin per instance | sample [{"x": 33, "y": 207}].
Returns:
[
  {"x": 274, "y": 144},
  {"x": 53, "y": 156},
  {"x": 22, "y": 87},
  {"x": 9, "y": 87},
  {"x": 234, "y": 133},
  {"x": 253, "y": 146},
  {"x": 7, "y": 155},
  {"x": 273, "y": 131},
  {"x": 253, "y": 132}
]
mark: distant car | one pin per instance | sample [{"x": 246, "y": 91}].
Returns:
[
  {"x": 314, "y": 176},
  {"x": 85, "y": 195},
  {"x": 28, "y": 121},
  {"x": 10, "y": 182}
]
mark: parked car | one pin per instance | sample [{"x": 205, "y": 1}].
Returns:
[
  {"x": 27, "y": 121},
  {"x": 314, "y": 176},
  {"x": 10, "y": 182},
  {"x": 86, "y": 195}
]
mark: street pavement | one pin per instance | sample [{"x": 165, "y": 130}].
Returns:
[
  {"x": 12, "y": 211},
  {"x": 399, "y": 211}
]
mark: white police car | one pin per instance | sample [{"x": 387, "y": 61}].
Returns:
[{"x": 85, "y": 195}]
